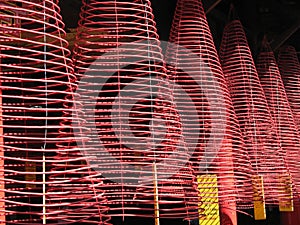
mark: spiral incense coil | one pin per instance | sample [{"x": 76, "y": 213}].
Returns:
[
  {"x": 281, "y": 112},
  {"x": 289, "y": 66},
  {"x": 215, "y": 128},
  {"x": 135, "y": 137},
  {"x": 250, "y": 105},
  {"x": 43, "y": 179}
]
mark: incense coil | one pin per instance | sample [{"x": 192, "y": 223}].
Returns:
[
  {"x": 289, "y": 66},
  {"x": 199, "y": 71},
  {"x": 37, "y": 93},
  {"x": 250, "y": 104},
  {"x": 132, "y": 119},
  {"x": 281, "y": 112}
]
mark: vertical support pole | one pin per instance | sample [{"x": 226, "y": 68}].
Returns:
[
  {"x": 2, "y": 184},
  {"x": 226, "y": 179},
  {"x": 156, "y": 200},
  {"x": 291, "y": 218},
  {"x": 228, "y": 211},
  {"x": 44, "y": 188}
]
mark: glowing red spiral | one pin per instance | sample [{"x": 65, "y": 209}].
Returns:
[
  {"x": 43, "y": 177},
  {"x": 289, "y": 66},
  {"x": 250, "y": 105},
  {"x": 201, "y": 75},
  {"x": 135, "y": 120},
  {"x": 281, "y": 112}
]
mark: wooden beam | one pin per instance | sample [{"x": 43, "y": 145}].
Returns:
[
  {"x": 212, "y": 6},
  {"x": 285, "y": 36}
]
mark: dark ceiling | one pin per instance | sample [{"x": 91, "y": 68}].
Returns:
[{"x": 279, "y": 20}]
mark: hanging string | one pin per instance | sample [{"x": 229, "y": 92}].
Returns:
[{"x": 152, "y": 128}]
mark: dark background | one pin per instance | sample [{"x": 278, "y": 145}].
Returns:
[{"x": 279, "y": 20}]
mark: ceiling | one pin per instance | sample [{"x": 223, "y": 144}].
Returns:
[{"x": 279, "y": 20}]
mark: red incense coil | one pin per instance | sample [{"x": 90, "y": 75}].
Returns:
[
  {"x": 289, "y": 66},
  {"x": 127, "y": 101},
  {"x": 217, "y": 131},
  {"x": 250, "y": 105},
  {"x": 44, "y": 180},
  {"x": 281, "y": 112}
]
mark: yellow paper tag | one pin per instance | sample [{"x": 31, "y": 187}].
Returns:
[
  {"x": 30, "y": 168},
  {"x": 286, "y": 203},
  {"x": 8, "y": 14},
  {"x": 259, "y": 198},
  {"x": 208, "y": 195}
]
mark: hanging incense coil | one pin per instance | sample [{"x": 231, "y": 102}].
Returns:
[
  {"x": 129, "y": 110},
  {"x": 43, "y": 178},
  {"x": 251, "y": 108},
  {"x": 281, "y": 112},
  {"x": 289, "y": 66},
  {"x": 214, "y": 133}
]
